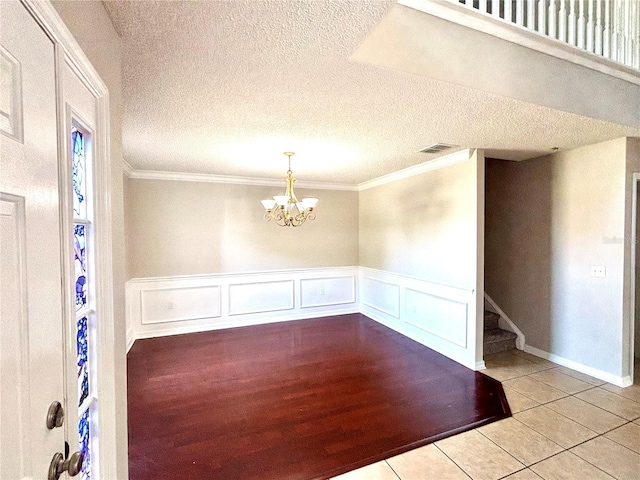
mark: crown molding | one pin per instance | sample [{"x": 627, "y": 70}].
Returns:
[
  {"x": 441, "y": 162},
  {"x": 226, "y": 179}
]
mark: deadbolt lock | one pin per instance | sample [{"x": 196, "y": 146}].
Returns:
[{"x": 55, "y": 415}]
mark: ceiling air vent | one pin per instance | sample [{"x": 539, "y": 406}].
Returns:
[{"x": 437, "y": 148}]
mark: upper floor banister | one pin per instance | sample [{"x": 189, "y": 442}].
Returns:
[
  {"x": 609, "y": 28},
  {"x": 449, "y": 42}
]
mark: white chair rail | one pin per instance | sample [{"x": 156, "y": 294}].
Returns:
[{"x": 609, "y": 28}]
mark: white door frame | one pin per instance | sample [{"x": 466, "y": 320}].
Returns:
[
  {"x": 634, "y": 252},
  {"x": 68, "y": 51}
]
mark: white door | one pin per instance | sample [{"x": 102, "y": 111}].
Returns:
[{"x": 31, "y": 295}]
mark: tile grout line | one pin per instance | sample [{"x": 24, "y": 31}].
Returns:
[
  {"x": 593, "y": 464},
  {"x": 394, "y": 472},
  {"x": 568, "y": 395},
  {"x": 524, "y": 469},
  {"x": 505, "y": 451},
  {"x": 452, "y": 460},
  {"x": 626, "y": 421},
  {"x": 612, "y": 393},
  {"x": 569, "y": 451},
  {"x": 523, "y": 374},
  {"x": 613, "y": 441}
]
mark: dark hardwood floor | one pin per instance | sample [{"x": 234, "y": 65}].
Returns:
[{"x": 300, "y": 400}]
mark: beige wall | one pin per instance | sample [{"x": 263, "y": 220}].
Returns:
[
  {"x": 632, "y": 299},
  {"x": 548, "y": 221},
  {"x": 188, "y": 228},
  {"x": 637, "y": 279},
  {"x": 424, "y": 226},
  {"x": 92, "y": 29}
]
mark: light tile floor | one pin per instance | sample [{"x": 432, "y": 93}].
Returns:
[{"x": 565, "y": 425}]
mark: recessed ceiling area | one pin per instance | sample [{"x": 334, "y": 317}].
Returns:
[{"x": 225, "y": 87}]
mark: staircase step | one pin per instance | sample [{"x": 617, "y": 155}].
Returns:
[
  {"x": 498, "y": 340},
  {"x": 490, "y": 320}
]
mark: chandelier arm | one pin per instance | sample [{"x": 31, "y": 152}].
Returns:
[{"x": 283, "y": 214}]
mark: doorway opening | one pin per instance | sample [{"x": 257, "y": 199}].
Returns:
[
  {"x": 636, "y": 255},
  {"x": 635, "y": 282}
]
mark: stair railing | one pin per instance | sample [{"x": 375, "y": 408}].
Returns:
[{"x": 609, "y": 28}]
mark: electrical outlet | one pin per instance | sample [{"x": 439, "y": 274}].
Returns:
[
  {"x": 598, "y": 271},
  {"x": 322, "y": 291},
  {"x": 171, "y": 306}
]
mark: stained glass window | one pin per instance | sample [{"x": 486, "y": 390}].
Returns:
[
  {"x": 79, "y": 168},
  {"x": 85, "y": 316},
  {"x": 80, "y": 261},
  {"x": 84, "y": 435},
  {"x": 83, "y": 365}
]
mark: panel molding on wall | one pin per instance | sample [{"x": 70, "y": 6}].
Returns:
[
  {"x": 261, "y": 297},
  {"x": 322, "y": 292},
  {"x": 173, "y": 305},
  {"x": 381, "y": 295},
  {"x": 158, "y": 305},
  {"x": 438, "y": 316},
  {"x": 447, "y": 318}
]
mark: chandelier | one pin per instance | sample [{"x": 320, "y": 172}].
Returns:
[{"x": 287, "y": 210}]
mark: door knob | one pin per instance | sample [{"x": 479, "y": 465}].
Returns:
[
  {"x": 55, "y": 415},
  {"x": 58, "y": 465}
]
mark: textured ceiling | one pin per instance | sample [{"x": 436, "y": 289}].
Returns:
[{"x": 224, "y": 87}]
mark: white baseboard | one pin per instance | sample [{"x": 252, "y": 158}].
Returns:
[
  {"x": 244, "y": 322},
  {"x": 620, "y": 381}
]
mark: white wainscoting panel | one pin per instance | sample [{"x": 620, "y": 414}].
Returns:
[
  {"x": 260, "y": 297},
  {"x": 176, "y": 304},
  {"x": 443, "y": 317},
  {"x": 440, "y": 317},
  {"x": 381, "y": 295},
  {"x": 319, "y": 292}
]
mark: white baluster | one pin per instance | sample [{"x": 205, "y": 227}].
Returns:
[
  {"x": 590, "y": 26},
  {"x": 508, "y": 11},
  {"x": 606, "y": 32},
  {"x": 495, "y": 8},
  {"x": 573, "y": 22},
  {"x": 482, "y": 6},
  {"x": 552, "y": 18},
  {"x": 636, "y": 36},
  {"x": 615, "y": 31},
  {"x": 581, "y": 26},
  {"x": 562, "y": 21},
  {"x": 598, "y": 29},
  {"x": 542, "y": 17},
  {"x": 520, "y": 12},
  {"x": 628, "y": 44},
  {"x": 531, "y": 15}
]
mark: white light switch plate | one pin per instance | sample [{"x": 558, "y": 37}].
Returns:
[{"x": 598, "y": 271}]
